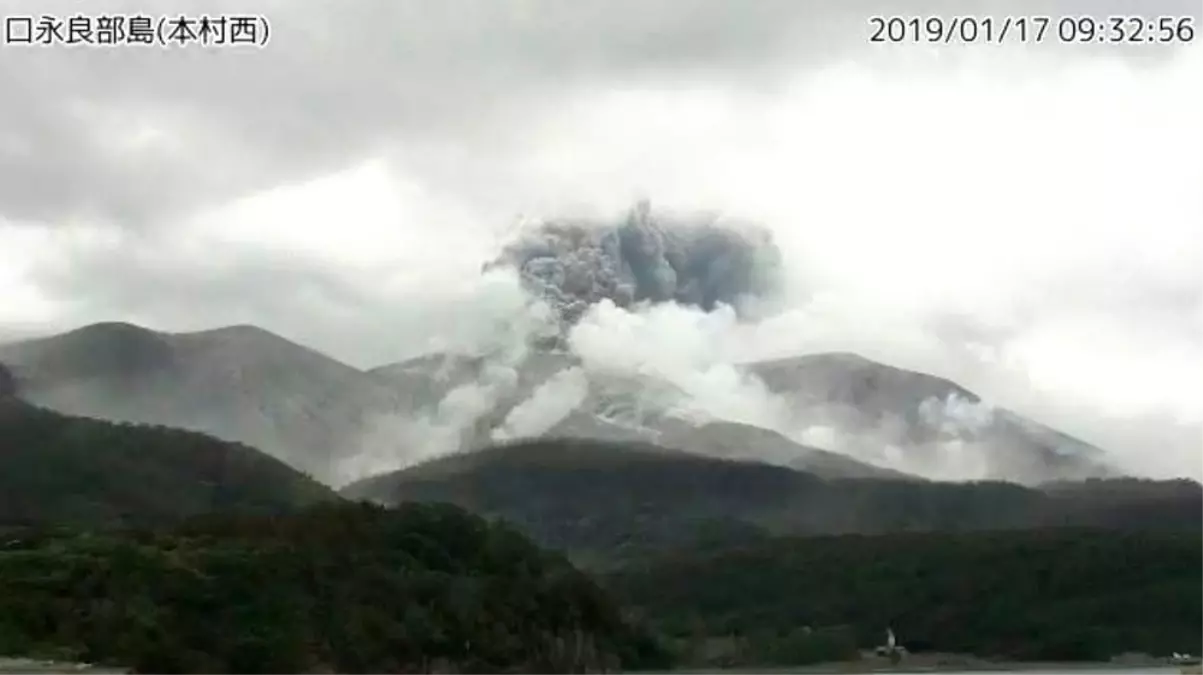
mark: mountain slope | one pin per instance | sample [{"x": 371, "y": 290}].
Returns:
[
  {"x": 614, "y": 500},
  {"x": 932, "y": 424},
  {"x": 742, "y": 441},
  {"x": 59, "y": 470},
  {"x": 591, "y": 497},
  {"x": 614, "y": 408},
  {"x": 844, "y": 416},
  {"x": 879, "y": 419},
  {"x": 239, "y": 383},
  {"x": 8, "y": 383}
]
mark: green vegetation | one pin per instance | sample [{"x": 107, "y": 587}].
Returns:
[
  {"x": 62, "y": 470},
  {"x": 171, "y": 551},
  {"x": 1041, "y": 595},
  {"x": 337, "y": 588},
  {"x": 608, "y": 503},
  {"x": 8, "y": 383},
  {"x": 601, "y": 502}
]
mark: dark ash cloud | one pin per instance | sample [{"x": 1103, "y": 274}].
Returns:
[{"x": 693, "y": 261}]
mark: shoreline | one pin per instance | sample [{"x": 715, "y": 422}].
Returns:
[
  {"x": 944, "y": 663},
  {"x": 1022, "y": 667}
]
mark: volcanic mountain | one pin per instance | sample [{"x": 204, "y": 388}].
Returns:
[
  {"x": 870, "y": 419},
  {"x": 339, "y": 423}
]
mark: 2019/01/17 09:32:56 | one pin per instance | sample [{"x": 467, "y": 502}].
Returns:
[{"x": 991, "y": 30}]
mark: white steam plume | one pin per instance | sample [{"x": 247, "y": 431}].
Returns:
[{"x": 548, "y": 405}]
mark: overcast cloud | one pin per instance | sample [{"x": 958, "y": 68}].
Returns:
[{"x": 1028, "y": 221}]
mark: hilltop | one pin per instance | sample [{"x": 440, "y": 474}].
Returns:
[{"x": 608, "y": 502}]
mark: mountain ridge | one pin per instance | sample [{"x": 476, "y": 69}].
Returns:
[
  {"x": 246, "y": 384},
  {"x": 238, "y": 383},
  {"x": 873, "y": 407},
  {"x": 604, "y": 500}
]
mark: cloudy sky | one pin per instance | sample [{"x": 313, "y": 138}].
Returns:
[{"x": 1028, "y": 220}]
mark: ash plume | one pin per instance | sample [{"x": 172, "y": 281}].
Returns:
[{"x": 701, "y": 262}]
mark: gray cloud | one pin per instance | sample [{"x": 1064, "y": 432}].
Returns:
[
  {"x": 151, "y": 283},
  {"x": 339, "y": 80},
  {"x": 332, "y": 83}
]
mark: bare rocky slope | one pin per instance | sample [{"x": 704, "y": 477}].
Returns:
[
  {"x": 935, "y": 422},
  {"x": 885, "y": 421},
  {"x": 339, "y": 423}
]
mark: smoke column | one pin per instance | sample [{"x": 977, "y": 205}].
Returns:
[{"x": 698, "y": 262}]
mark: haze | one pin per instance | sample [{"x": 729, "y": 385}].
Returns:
[{"x": 1025, "y": 221}]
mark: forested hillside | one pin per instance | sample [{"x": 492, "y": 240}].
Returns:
[
  {"x": 61, "y": 470},
  {"x": 607, "y": 502},
  {"x": 1043, "y": 596},
  {"x": 8, "y": 383},
  {"x": 337, "y": 588}
]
